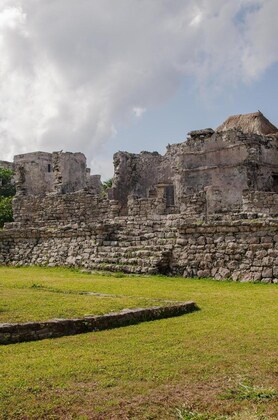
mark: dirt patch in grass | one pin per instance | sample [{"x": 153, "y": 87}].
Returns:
[{"x": 168, "y": 401}]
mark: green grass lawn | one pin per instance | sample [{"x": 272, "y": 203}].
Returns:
[
  {"x": 217, "y": 363},
  {"x": 26, "y": 300}
]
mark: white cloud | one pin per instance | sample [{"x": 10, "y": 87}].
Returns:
[
  {"x": 138, "y": 111},
  {"x": 11, "y": 17},
  {"x": 71, "y": 71},
  {"x": 197, "y": 18},
  {"x": 261, "y": 34}
]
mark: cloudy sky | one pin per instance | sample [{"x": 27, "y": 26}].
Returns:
[{"x": 99, "y": 76}]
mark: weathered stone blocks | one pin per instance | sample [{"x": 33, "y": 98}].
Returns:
[{"x": 192, "y": 250}]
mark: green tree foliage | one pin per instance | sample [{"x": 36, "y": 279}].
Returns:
[
  {"x": 6, "y": 210},
  {"x": 7, "y": 188},
  {"x": 7, "y": 191},
  {"x": 106, "y": 185}
]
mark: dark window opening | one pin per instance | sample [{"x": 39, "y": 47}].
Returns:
[
  {"x": 169, "y": 195},
  {"x": 48, "y": 168},
  {"x": 275, "y": 183}
]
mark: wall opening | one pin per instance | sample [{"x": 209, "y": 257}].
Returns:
[
  {"x": 48, "y": 168},
  {"x": 164, "y": 265},
  {"x": 169, "y": 195},
  {"x": 275, "y": 183}
]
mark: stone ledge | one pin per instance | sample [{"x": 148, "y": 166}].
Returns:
[{"x": 32, "y": 331}]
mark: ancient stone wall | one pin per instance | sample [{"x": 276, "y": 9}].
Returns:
[
  {"x": 136, "y": 174},
  {"x": 211, "y": 204},
  {"x": 208, "y": 207},
  {"x": 69, "y": 172},
  {"x": 240, "y": 251},
  {"x": 94, "y": 185},
  {"x": 34, "y": 174},
  {"x": 157, "y": 244},
  {"x": 63, "y": 209},
  {"x": 229, "y": 162},
  {"x": 40, "y": 173},
  {"x": 262, "y": 204},
  {"x": 6, "y": 165},
  {"x": 194, "y": 206}
]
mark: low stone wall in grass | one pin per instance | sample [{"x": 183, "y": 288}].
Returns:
[
  {"x": 31, "y": 331},
  {"x": 238, "y": 250}
]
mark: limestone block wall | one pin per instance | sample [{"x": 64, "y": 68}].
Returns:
[
  {"x": 94, "y": 185},
  {"x": 62, "y": 209},
  {"x": 230, "y": 161},
  {"x": 194, "y": 206},
  {"x": 33, "y": 173},
  {"x": 263, "y": 203},
  {"x": 5, "y": 246},
  {"x": 136, "y": 174},
  {"x": 6, "y": 165},
  {"x": 169, "y": 244},
  {"x": 145, "y": 207},
  {"x": 69, "y": 172},
  {"x": 39, "y": 173},
  {"x": 240, "y": 251},
  {"x": 85, "y": 208}
]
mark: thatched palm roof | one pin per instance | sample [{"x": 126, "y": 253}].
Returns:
[{"x": 255, "y": 123}]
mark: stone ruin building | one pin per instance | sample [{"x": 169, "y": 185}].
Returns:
[
  {"x": 208, "y": 207},
  {"x": 6, "y": 165}
]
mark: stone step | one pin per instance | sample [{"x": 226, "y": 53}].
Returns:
[
  {"x": 129, "y": 254},
  {"x": 125, "y": 268},
  {"x": 153, "y": 260},
  {"x": 133, "y": 248},
  {"x": 106, "y": 246}
]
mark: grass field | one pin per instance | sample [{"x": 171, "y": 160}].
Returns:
[
  {"x": 24, "y": 300},
  {"x": 217, "y": 363}
]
